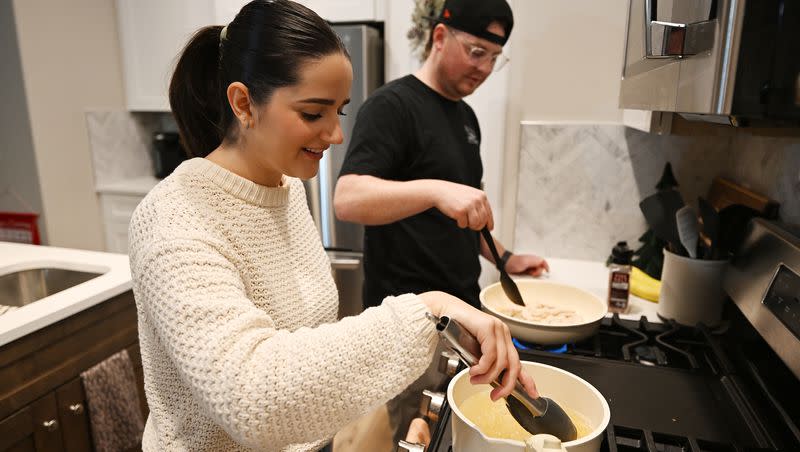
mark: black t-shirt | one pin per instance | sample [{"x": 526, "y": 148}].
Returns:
[{"x": 407, "y": 131}]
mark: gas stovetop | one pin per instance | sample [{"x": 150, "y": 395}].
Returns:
[
  {"x": 652, "y": 344},
  {"x": 673, "y": 388}
]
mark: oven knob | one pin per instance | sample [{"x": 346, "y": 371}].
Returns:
[
  {"x": 448, "y": 363},
  {"x": 405, "y": 446},
  {"x": 431, "y": 404}
]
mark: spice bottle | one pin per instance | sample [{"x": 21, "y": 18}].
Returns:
[{"x": 619, "y": 278}]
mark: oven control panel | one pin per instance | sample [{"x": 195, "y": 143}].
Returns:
[{"x": 783, "y": 298}]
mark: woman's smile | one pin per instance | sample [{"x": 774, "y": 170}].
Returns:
[{"x": 315, "y": 153}]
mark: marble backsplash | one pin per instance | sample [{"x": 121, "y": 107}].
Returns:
[
  {"x": 580, "y": 185},
  {"x": 121, "y": 143}
]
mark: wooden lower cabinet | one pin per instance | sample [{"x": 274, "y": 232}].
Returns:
[
  {"x": 42, "y": 402},
  {"x": 73, "y": 417},
  {"x": 33, "y": 428}
]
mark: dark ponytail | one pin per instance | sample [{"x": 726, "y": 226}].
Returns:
[
  {"x": 264, "y": 48},
  {"x": 194, "y": 93}
]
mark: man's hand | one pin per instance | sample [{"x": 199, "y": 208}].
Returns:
[
  {"x": 467, "y": 205},
  {"x": 526, "y": 264}
]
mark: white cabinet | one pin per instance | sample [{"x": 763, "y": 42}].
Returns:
[
  {"x": 117, "y": 211},
  {"x": 152, "y": 33},
  {"x": 345, "y": 10},
  {"x": 330, "y": 10}
]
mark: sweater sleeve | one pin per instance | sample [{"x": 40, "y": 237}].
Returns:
[{"x": 269, "y": 388}]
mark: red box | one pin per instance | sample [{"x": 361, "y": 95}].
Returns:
[{"x": 19, "y": 227}]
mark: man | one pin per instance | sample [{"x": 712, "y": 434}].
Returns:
[{"x": 413, "y": 172}]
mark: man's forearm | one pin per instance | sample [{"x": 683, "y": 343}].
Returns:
[{"x": 373, "y": 201}]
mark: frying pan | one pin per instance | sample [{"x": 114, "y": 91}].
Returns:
[{"x": 587, "y": 306}]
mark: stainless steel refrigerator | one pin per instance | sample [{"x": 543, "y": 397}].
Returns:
[{"x": 344, "y": 242}]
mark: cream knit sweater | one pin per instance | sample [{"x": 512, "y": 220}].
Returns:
[{"x": 237, "y": 321}]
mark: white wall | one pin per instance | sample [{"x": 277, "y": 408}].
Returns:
[
  {"x": 398, "y": 59},
  {"x": 569, "y": 54},
  {"x": 70, "y": 64},
  {"x": 18, "y": 174},
  {"x": 566, "y": 68}
]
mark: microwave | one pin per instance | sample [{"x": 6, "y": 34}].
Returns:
[{"x": 729, "y": 61}]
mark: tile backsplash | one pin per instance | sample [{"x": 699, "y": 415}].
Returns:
[
  {"x": 580, "y": 185},
  {"x": 121, "y": 143}
]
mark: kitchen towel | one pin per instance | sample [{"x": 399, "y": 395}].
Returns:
[{"x": 113, "y": 400}]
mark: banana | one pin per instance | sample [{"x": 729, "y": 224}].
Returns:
[{"x": 644, "y": 286}]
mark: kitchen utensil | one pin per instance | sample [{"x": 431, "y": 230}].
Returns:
[
  {"x": 659, "y": 211},
  {"x": 572, "y": 392},
  {"x": 687, "y": 229},
  {"x": 733, "y": 221},
  {"x": 691, "y": 290},
  {"x": 589, "y": 307},
  {"x": 710, "y": 219},
  {"x": 724, "y": 192},
  {"x": 539, "y": 415},
  {"x": 509, "y": 287}
]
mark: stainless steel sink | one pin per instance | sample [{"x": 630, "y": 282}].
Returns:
[{"x": 26, "y": 286}]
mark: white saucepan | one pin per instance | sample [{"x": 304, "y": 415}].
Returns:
[
  {"x": 570, "y": 391},
  {"x": 587, "y": 306}
]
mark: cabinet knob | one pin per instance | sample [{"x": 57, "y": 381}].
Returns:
[
  {"x": 76, "y": 408},
  {"x": 51, "y": 425}
]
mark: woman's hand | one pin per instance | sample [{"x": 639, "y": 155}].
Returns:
[
  {"x": 495, "y": 339},
  {"x": 419, "y": 432}
]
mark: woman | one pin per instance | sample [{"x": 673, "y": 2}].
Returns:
[{"x": 237, "y": 307}]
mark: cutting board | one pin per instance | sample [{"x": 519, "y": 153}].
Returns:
[{"x": 724, "y": 192}]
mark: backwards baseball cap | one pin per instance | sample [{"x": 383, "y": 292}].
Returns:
[{"x": 474, "y": 16}]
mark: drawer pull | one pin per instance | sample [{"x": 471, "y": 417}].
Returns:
[
  {"x": 51, "y": 425},
  {"x": 76, "y": 409}
]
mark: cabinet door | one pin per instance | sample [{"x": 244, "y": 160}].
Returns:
[
  {"x": 333, "y": 11},
  {"x": 117, "y": 212},
  {"x": 73, "y": 417},
  {"x": 152, "y": 33},
  {"x": 343, "y": 10},
  {"x": 33, "y": 428},
  {"x": 116, "y": 238}
]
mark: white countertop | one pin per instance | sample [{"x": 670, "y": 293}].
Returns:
[
  {"x": 115, "y": 279},
  {"x": 593, "y": 277},
  {"x": 139, "y": 186}
]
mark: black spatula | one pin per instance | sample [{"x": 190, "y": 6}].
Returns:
[
  {"x": 509, "y": 286},
  {"x": 659, "y": 212}
]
